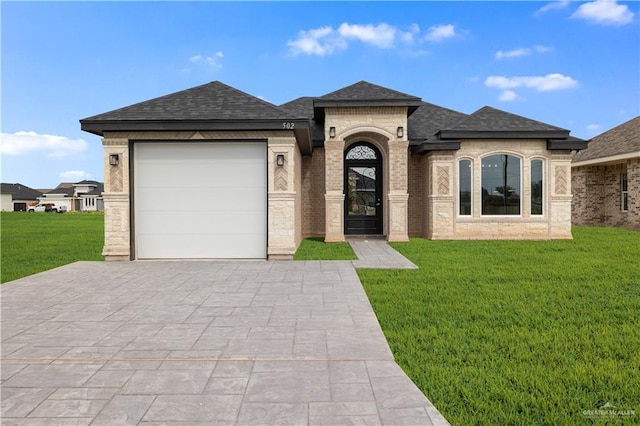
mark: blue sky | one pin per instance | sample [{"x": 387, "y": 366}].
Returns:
[{"x": 571, "y": 64}]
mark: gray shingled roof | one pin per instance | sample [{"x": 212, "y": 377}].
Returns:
[
  {"x": 492, "y": 119},
  {"x": 19, "y": 191},
  {"x": 622, "y": 139},
  {"x": 363, "y": 90},
  {"x": 303, "y": 107},
  {"x": 428, "y": 120},
  {"x": 211, "y": 101},
  {"x": 65, "y": 188}
]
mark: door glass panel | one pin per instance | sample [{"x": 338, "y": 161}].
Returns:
[{"x": 361, "y": 191}]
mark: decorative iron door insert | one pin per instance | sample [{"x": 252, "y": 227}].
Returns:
[{"x": 363, "y": 190}]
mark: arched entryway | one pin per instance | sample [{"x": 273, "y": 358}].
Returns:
[{"x": 363, "y": 190}]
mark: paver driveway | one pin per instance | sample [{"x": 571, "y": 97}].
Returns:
[{"x": 200, "y": 342}]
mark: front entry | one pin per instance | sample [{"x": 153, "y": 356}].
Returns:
[{"x": 363, "y": 190}]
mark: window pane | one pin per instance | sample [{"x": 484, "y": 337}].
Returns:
[
  {"x": 501, "y": 185},
  {"x": 465, "y": 187},
  {"x": 536, "y": 187},
  {"x": 624, "y": 182}
]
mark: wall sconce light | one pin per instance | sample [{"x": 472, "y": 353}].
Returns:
[
  {"x": 332, "y": 132},
  {"x": 400, "y": 132},
  {"x": 280, "y": 160},
  {"x": 114, "y": 159}
]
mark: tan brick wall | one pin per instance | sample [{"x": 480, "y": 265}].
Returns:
[
  {"x": 441, "y": 194},
  {"x": 598, "y": 195},
  {"x": 313, "y": 187}
]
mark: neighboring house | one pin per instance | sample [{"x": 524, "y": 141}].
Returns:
[
  {"x": 606, "y": 179},
  {"x": 82, "y": 196},
  {"x": 88, "y": 195},
  {"x": 16, "y": 197},
  {"x": 212, "y": 172}
]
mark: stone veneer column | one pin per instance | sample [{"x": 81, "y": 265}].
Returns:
[
  {"x": 440, "y": 199},
  {"x": 560, "y": 197},
  {"x": 334, "y": 192},
  {"x": 282, "y": 241},
  {"x": 398, "y": 197},
  {"x": 117, "y": 227}
]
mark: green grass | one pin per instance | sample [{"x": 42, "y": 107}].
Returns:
[
  {"x": 317, "y": 249},
  {"x": 36, "y": 242},
  {"x": 518, "y": 332}
]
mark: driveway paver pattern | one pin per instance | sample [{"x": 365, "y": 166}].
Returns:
[{"x": 200, "y": 342}]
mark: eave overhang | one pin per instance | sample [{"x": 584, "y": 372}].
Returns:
[
  {"x": 504, "y": 134},
  {"x": 300, "y": 127},
  {"x": 320, "y": 104},
  {"x": 427, "y": 147},
  {"x": 566, "y": 144}
]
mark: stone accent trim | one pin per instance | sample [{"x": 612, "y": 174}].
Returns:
[{"x": 334, "y": 202}]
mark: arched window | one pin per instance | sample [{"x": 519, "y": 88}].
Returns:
[
  {"x": 361, "y": 152},
  {"x": 465, "y": 191},
  {"x": 501, "y": 185},
  {"x": 537, "y": 187}
]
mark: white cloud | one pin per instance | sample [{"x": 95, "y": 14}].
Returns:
[
  {"x": 556, "y": 5},
  {"x": 607, "y": 12},
  {"x": 214, "y": 61},
  {"x": 501, "y": 54},
  {"x": 523, "y": 51},
  {"x": 381, "y": 35},
  {"x": 508, "y": 96},
  {"x": 74, "y": 175},
  {"x": 440, "y": 32},
  {"x": 547, "y": 83},
  {"x": 21, "y": 143},
  {"x": 319, "y": 41},
  {"x": 328, "y": 40}
]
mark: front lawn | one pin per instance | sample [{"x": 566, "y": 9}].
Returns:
[
  {"x": 36, "y": 242},
  {"x": 317, "y": 249},
  {"x": 519, "y": 332}
]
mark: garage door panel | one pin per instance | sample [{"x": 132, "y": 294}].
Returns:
[
  {"x": 221, "y": 247},
  {"x": 200, "y": 200},
  {"x": 201, "y": 222}
]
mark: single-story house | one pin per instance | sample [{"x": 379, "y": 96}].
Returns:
[
  {"x": 16, "y": 197},
  {"x": 606, "y": 179},
  {"x": 213, "y": 172},
  {"x": 85, "y": 195}
]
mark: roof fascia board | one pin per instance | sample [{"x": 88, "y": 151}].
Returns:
[
  {"x": 553, "y": 144},
  {"x": 321, "y": 103},
  {"x": 609, "y": 159},
  {"x": 503, "y": 134},
  {"x": 425, "y": 148}
]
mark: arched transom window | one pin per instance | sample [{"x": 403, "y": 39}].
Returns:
[{"x": 361, "y": 152}]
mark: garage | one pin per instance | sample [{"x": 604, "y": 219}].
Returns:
[{"x": 202, "y": 200}]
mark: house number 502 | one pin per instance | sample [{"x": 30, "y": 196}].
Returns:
[{"x": 288, "y": 126}]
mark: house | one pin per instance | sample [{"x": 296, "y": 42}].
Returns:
[
  {"x": 85, "y": 195},
  {"x": 606, "y": 179},
  {"x": 16, "y": 197},
  {"x": 213, "y": 172}
]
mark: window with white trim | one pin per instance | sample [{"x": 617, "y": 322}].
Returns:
[
  {"x": 465, "y": 175},
  {"x": 537, "y": 187},
  {"x": 501, "y": 185}
]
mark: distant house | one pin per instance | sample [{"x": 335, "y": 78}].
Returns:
[
  {"x": 85, "y": 195},
  {"x": 606, "y": 179},
  {"x": 16, "y": 197}
]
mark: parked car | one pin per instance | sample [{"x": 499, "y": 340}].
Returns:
[{"x": 47, "y": 207}]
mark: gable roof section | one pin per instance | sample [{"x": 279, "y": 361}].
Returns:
[
  {"x": 621, "y": 141},
  {"x": 493, "y": 123},
  {"x": 424, "y": 124},
  {"x": 211, "y": 106},
  {"x": 64, "y": 188},
  {"x": 364, "y": 93},
  {"x": 19, "y": 191}
]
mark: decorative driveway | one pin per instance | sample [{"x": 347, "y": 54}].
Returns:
[{"x": 200, "y": 342}]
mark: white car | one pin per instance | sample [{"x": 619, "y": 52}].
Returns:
[{"x": 47, "y": 207}]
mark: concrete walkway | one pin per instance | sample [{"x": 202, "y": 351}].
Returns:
[
  {"x": 377, "y": 254},
  {"x": 200, "y": 342}
]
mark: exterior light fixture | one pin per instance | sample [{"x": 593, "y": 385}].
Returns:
[
  {"x": 332, "y": 132},
  {"x": 280, "y": 160},
  {"x": 114, "y": 159},
  {"x": 400, "y": 132}
]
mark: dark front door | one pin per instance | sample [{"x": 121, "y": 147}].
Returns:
[{"x": 363, "y": 190}]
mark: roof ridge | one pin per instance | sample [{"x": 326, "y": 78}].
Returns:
[{"x": 266, "y": 103}]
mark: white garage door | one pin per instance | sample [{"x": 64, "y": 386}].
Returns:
[{"x": 200, "y": 200}]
